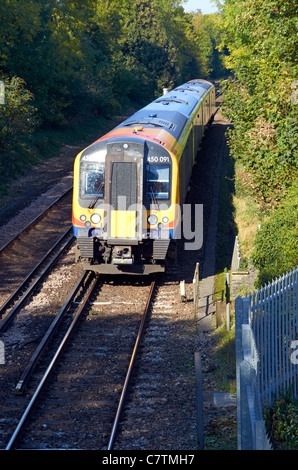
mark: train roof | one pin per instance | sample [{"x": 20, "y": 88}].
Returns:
[
  {"x": 176, "y": 102},
  {"x": 200, "y": 82},
  {"x": 170, "y": 112},
  {"x": 156, "y": 117},
  {"x": 182, "y": 99},
  {"x": 196, "y": 88}
]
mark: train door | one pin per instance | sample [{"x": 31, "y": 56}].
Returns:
[
  {"x": 198, "y": 127},
  {"x": 124, "y": 164}
]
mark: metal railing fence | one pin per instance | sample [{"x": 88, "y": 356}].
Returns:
[{"x": 266, "y": 354}]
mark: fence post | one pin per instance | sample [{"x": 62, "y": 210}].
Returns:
[
  {"x": 196, "y": 294},
  {"x": 2, "y": 92},
  {"x": 241, "y": 317},
  {"x": 182, "y": 291},
  {"x": 228, "y": 301},
  {"x": 246, "y": 310},
  {"x": 261, "y": 438},
  {"x": 245, "y": 428},
  {"x": 238, "y": 345},
  {"x": 2, "y": 353},
  {"x": 245, "y": 421},
  {"x": 199, "y": 400}
]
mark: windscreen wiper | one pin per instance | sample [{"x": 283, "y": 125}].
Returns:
[{"x": 99, "y": 196}]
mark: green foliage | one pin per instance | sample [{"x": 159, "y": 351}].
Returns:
[
  {"x": 17, "y": 115},
  {"x": 89, "y": 58},
  {"x": 17, "y": 120},
  {"x": 267, "y": 148},
  {"x": 209, "y": 33},
  {"x": 281, "y": 420},
  {"x": 147, "y": 48},
  {"x": 260, "y": 37},
  {"x": 80, "y": 60},
  {"x": 276, "y": 243},
  {"x": 261, "y": 40}
]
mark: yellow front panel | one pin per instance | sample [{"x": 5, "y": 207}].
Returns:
[{"x": 123, "y": 224}]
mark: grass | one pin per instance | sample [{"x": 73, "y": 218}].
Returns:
[
  {"x": 224, "y": 357},
  {"x": 222, "y": 434},
  {"x": 44, "y": 144},
  {"x": 247, "y": 213},
  {"x": 224, "y": 351},
  {"x": 49, "y": 141}
]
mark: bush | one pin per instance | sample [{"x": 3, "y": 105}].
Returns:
[
  {"x": 281, "y": 421},
  {"x": 17, "y": 121},
  {"x": 17, "y": 113},
  {"x": 275, "y": 250}
]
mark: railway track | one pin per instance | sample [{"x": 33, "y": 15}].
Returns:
[
  {"x": 95, "y": 390},
  {"x": 33, "y": 223},
  {"x": 80, "y": 392},
  {"x": 37, "y": 360},
  {"x": 29, "y": 255}
]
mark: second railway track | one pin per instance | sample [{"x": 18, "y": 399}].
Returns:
[{"x": 27, "y": 256}]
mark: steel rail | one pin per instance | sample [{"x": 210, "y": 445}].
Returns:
[
  {"x": 8, "y": 318},
  {"x": 47, "y": 337},
  {"x": 130, "y": 369},
  {"x": 36, "y": 219},
  {"x": 53, "y": 361}
]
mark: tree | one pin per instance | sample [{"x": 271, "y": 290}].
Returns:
[
  {"x": 261, "y": 40},
  {"x": 147, "y": 49},
  {"x": 212, "y": 25},
  {"x": 17, "y": 119},
  {"x": 276, "y": 244},
  {"x": 80, "y": 60},
  {"x": 262, "y": 44}
]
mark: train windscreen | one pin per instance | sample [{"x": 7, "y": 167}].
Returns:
[
  {"x": 92, "y": 180},
  {"x": 157, "y": 181}
]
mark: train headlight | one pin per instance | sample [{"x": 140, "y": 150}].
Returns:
[
  {"x": 83, "y": 218},
  {"x": 160, "y": 225},
  {"x": 95, "y": 218},
  {"x": 152, "y": 219},
  {"x": 165, "y": 220}
]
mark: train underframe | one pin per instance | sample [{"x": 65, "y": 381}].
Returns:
[{"x": 121, "y": 256}]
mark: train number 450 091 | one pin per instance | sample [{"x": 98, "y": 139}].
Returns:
[{"x": 160, "y": 159}]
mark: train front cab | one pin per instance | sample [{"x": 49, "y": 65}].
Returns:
[{"x": 124, "y": 211}]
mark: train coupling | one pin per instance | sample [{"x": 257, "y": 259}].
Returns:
[{"x": 122, "y": 255}]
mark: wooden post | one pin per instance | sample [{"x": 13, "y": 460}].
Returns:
[
  {"x": 196, "y": 293},
  {"x": 182, "y": 291},
  {"x": 228, "y": 301},
  {"x": 199, "y": 400},
  {"x": 220, "y": 312}
]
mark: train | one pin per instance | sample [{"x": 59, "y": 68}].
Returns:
[{"x": 130, "y": 185}]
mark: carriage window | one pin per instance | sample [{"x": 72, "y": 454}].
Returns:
[
  {"x": 158, "y": 181},
  {"x": 92, "y": 180}
]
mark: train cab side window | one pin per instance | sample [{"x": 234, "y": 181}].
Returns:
[
  {"x": 157, "y": 182},
  {"x": 92, "y": 180}
]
